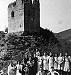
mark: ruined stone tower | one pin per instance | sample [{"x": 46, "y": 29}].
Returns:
[{"x": 24, "y": 15}]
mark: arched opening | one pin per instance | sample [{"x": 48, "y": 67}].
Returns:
[{"x": 12, "y": 14}]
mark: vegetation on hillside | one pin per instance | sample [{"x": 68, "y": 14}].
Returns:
[{"x": 14, "y": 45}]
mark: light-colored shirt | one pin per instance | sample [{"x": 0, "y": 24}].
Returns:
[{"x": 53, "y": 73}]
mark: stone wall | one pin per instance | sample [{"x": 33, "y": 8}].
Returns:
[
  {"x": 16, "y": 22},
  {"x": 23, "y": 16}
]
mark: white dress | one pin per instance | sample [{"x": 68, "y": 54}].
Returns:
[
  {"x": 18, "y": 68},
  {"x": 45, "y": 63},
  {"x": 39, "y": 73},
  {"x": 66, "y": 65},
  {"x": 10, "y": 68},
  {"x": 53, "y": 73},
  {"x": 60, "y": 62},
  {"x": 55, "y": 63},
  {"x": 50, "y": 63},
  {"x": 39, "y": 62}
]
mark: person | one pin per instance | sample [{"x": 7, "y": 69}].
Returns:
[
  {"x": 25, "y": 58},
  {"x": 48, "y": 62},
  {"x": 55, "y": 62},
  {"x": 10, "y": 69},
  {"x": 40, "y": 72},
  {"x": 53, "y": 72},
  {"x": 29, "y": 60},
  {"x": 35, "y": 62},
  {"x": 70, "y": 63},
  {"x": 19, "y": 68},
  {"x": 60, "y": 63},
  {"x": 45, "y": 63},
  {"x": 33, "y": 68},
  {"x": 37, "y": 53},
  {"x": 1, "y": 72},
  {"x": 51, "y": 61},
  {"x": 39, "y": 61},
  {"x": 26, "y": 70},
  {"x": 66, "y": 64},
  {"x": 29, "y": 63},
  {"x": 23, "y": 66}
]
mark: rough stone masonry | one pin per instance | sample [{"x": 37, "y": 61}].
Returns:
[{"x": 24, "y": 15}]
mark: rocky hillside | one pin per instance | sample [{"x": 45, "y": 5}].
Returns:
[
  {"x": 64, "y": 35},
  {"x": 15, "y": 44},
  {"x": 65, "y": 40}
]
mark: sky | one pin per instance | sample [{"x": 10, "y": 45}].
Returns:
[{"x": 54, "y": 14}]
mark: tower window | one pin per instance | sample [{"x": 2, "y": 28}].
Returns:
[
  {"x": 20, "y": 26},
  {"x": 12, "y": 14}
]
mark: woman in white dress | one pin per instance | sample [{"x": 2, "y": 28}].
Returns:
[
  {"x": 66, "y": 64},
  {"x": 19, "y": 69},
  {"x": 60, "y": 63},
  {"x": 69, "y": 57},
  {"x": 40, "y": 72},
  {"x": 48, "y": 62},
  {"x": 55, "y": 62},
  {"x": 45, "y": 63},
  {"x": 51, "y": 61},
  {"x": 39, "y": 61},
  {"x": 11, "y": 69}
]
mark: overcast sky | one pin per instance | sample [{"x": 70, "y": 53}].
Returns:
[{"x": 55, "y": 14}]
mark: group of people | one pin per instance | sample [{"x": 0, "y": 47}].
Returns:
[
  {"x": 46, "y": 64},
  {"x": 58, "y": 63}
]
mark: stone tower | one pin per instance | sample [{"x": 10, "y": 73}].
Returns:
[
  {"x": 24, "y": 15},
  {"x": 36, "y": 15},
  {"x": 27, "y": 15}
]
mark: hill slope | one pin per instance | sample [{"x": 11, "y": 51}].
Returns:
[
  {"x": 64, "y": 35},
  {"x": 15, "y": 43},
  {"x": 65, "y": 40}
]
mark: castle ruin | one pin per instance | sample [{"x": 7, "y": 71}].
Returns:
[{"x": 24, "y": 15}]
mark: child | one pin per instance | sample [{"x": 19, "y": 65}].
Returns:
[
  {"x": 52, "y": 72},
  {"x": 40, "y": 72}
]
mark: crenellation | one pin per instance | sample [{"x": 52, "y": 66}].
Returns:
[{"x": 11, "y": 5}]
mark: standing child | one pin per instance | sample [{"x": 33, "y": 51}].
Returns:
[
  {"x": 52, "y": 72},
  {"x": 40, "y": 72}
]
